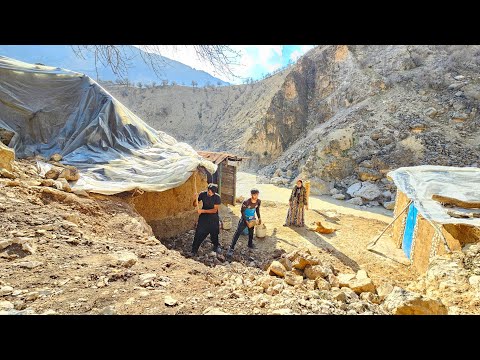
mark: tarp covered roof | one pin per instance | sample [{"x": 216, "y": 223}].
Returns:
[
  {"x": 52, "y": 110},
  {"x": 218, "y": 157},
  {"x": 420, "y": 183}
]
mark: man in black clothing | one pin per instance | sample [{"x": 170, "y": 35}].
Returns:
[
  {"x": 208, "y": 221},
  {"x": 249, "y": 208}
]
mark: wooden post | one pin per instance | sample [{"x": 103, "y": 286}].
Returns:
[{"x": 307, "y": 188}]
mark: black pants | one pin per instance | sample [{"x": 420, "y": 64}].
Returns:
[
  {"x": 241, "y": 226},
  {"x": 205, "y": 227}
]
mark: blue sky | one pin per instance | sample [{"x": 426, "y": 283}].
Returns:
[{"x": 254, "y": 60}]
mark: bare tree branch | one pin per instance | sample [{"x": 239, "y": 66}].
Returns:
[{"x": 115, "y": 57}]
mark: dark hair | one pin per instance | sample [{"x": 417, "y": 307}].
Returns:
[
  {"x": 213, "y": 187},
  {"x": 254, "y": 191}
]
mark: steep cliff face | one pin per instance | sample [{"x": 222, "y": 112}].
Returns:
[{"x": 341, "y": 115}]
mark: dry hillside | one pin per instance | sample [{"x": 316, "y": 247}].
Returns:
[{"x": 339, "y": 116}]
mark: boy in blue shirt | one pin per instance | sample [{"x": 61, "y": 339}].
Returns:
[{"x": 249, "y": 208}]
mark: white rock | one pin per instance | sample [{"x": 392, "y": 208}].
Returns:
[
  {"x": 125, "y": 258},
  {"x": 355, "y": 201},
  {"x": 352, "y": 189},
  {"x": 474, "y": 281},
  {"x": 338, "y": 196},
  {"x": 170, "y": 301},
  {"x": 334, "y": 191},
  {"x": 368, "y": 191},
  {"x": 146, "y": 279},
  {"x": 282, "y": 312},
  {"x": 214, "y": 311},
  {"x": 50, "y": 312},
  {"x": 6, "y": 290},
  {"x": 6, "y": 305}
]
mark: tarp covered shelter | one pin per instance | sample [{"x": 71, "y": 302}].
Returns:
[
  {"x": 444, "y": 212},
  {"x": 52, "y": 110}
]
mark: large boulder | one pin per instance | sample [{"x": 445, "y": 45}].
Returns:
[
  {"x": 403, "y": 302},
  {"x": 368, "y": 191},
  {"x": 7, "y": 156}
]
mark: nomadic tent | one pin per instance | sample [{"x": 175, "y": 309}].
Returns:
[
  {"x": 442, "y": 210},
  {"x": 51, "y": 110}
]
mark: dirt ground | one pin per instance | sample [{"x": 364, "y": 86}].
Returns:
[{"x": 73, "y": 267}]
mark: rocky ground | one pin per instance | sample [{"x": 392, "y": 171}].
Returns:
[{"x": 61, "y": 253}]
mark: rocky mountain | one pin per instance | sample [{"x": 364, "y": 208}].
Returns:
[
  {"x": 342, "y": 115},
  {"x": 64, "y": 56}
]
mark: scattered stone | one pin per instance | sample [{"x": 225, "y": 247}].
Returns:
[
  {"x": 459, "y": 77},
  {"x": 56, "y": 157},
  {"x": 147, "y": 279},
  {"x": 6, "y": 136},
  {"x": 286, "y": 263},
  {"x": 69, "y": 173},
  {"x": 352, "y": 189},
  {"x": 368, "y": 191},
  {"x": 53, "y": 173},
  {"x": 6, "y": 290},
  {"x": 6, "y": 174},
  {"x": 282, "y": 312},
  {"x": 62, "y": 184},
  {"x": 338, "y": 196},
  {"x": 170, "y": 301},
  {"x": 355, "y": 201},
  {"x": 214, "y": 311},
  {"x": 293, "y": 280},
  {"x": 333, "y": 280},
  {"x": 6, "y": 305},
  {"x": 344, "y": 279},
  {"x": 389, "y": 205},
  {"x": 474, "y": 281},
  {"x": 301, "y": 261},
  {"x": 403, "y": 302},
  {"x": 383, "y": 290},
  {"x": 339, "y": 295},
  {"x": 7, "y": 157},
  {"x": 321, "y": 284},
  {"x": 431, "y": 112},
  {"x": 108, "y": 310},
  {"x": 32, "y": 296},
  {"x": 313, "y": 272},
  {"x": 125, "y": 258},
  {"x": 50, "y": 312},
  {"x": 29, "y": 264},
  {"x": 362, "y": 285},
  {"x": 368, "y": 296},
  {"x": 276, "y": 268}
]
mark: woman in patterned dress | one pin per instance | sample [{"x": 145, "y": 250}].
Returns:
[{"x": 298, "y": 202}]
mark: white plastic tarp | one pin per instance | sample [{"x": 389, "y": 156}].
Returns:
[
  {"x": 52, "y": 110},
  {"x": 419, "y": 183}
]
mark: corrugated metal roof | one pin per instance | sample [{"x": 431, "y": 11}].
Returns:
[{"x": 218, "y": 157}]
